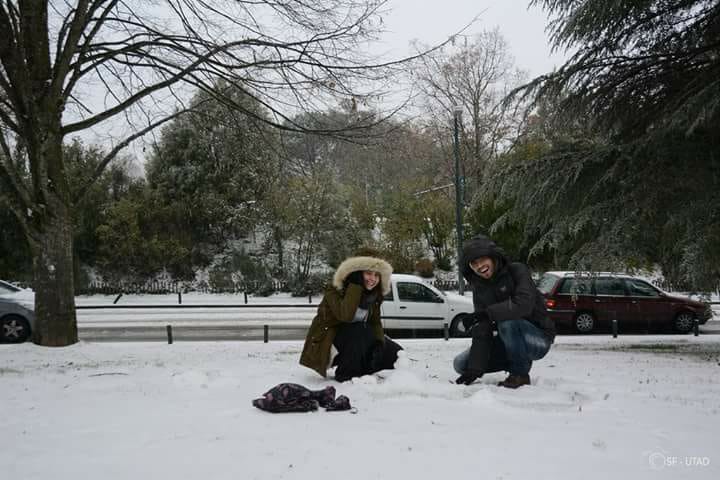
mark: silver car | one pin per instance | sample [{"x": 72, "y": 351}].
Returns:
[{"x": 17, "y": 313}]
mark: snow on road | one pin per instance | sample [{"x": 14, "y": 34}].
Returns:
[
  {"x": 634, "y": 407},
  {"x": 219, "y": 310}
]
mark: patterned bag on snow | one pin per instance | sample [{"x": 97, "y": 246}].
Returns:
[{"x": 291, "y": 397}]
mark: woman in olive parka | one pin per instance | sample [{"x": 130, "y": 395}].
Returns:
[{"x": 349, "y": 319}]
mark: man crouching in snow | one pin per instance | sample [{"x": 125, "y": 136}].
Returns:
[{"x": 504, "y": 295}]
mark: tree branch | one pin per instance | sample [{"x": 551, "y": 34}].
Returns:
[
  {"x": 62, "y": 64},
  {"x": 20, "y": 193}
]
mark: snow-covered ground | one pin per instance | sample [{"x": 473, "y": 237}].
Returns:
[{"x": 634, "y": 407}]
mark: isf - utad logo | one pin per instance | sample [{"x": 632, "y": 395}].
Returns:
[{"x": 659, "y": 459}]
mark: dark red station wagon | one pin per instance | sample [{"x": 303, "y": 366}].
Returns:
[{"x": 590, "y": 302}]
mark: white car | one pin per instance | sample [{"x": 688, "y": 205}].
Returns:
[
  {"x": 413, "y": 304},
  {"x": 17, "y": 313}
]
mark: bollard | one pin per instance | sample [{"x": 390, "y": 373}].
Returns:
[
  {"x": 179, "y": 298},
  {"x": 117, "y": 299},
  {"x": 446, "y": 331},
  {"x": 310, "y": 298},
  {"x": 266, "y": 333},
  {"x": 169, "y": 334},
  {"x": 614, "y": 328},
  {"x": 696, "y": 327},
  {"x": 245, "y": 293}
]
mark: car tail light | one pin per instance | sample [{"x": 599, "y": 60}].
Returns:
[{"x": 550, "y": 303}]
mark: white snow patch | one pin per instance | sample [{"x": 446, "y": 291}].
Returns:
[{"x": 125, "y": 410}]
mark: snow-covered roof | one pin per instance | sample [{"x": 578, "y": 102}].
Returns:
[
  {"x": 589, "y": 274},
  {"x": 407, "y": 278}
]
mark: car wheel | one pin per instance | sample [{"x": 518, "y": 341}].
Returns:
[
  {"x": 684, "y": 322},
  {"x": 457, "y": 329},
  {"x": 584, "y": 322},
  {"x": 14, "y": 329}
]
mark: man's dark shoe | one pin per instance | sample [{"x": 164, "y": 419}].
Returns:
[
  {"x": 466, "y": 379},
  {"x": 515, "y": 381}
]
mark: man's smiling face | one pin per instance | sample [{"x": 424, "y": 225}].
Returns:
[{"x": 483, "y": 267}]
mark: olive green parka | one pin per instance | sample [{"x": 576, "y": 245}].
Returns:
[{"x": 338, "y": 306}]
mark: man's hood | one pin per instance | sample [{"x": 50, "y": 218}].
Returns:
[{"x": 481, "y": 246}]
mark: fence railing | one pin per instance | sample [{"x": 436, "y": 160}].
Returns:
[
  {"x": 171, "y": 287},
  {"x": 165, "y": 287}
]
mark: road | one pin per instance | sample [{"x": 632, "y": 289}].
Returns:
[{"x": 217, "y": 322}]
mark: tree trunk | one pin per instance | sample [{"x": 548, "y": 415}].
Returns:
[
  {"x": 51, "y": 232},
  {"x": 308, "y": 262},
  {"x": 279, "y": 246},
  {"x": 55, "y": 321}
]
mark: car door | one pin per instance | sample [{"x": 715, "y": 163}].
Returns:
[
  {"x": 648, "y": 308},
  {"x": 612, "y": 303},
  {"x": 419, "y": 307},
  {"x": 389, "y": 310},
  {"x": 573, "y": 295}
]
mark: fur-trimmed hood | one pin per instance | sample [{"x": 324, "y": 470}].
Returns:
[{"x": 353, "y": 264}]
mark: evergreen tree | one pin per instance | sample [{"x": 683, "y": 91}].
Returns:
[
  {"x": 629, "y": 173},
  {"x": 207, "y": 173}
]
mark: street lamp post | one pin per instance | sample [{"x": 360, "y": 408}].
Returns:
[{"x": 457, "y": 110}]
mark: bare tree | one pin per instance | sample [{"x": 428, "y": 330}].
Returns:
[
  {"x": 475, "y": 73},
  {"x": 66, "y": 67}
]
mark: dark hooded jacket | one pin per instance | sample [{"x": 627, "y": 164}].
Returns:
[{"x": 510, "y": 294}]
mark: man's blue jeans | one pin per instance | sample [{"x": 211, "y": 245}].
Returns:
[{"x": 523, "y": 342}]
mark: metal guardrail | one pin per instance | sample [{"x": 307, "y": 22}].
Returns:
[
  {"x": 169, "y": 331},
  {"x": 266, "y": 327}
]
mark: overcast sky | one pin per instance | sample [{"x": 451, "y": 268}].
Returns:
[{"x": 432, "y": 21}]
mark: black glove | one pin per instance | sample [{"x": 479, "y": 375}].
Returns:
[
  {"x": 469, "y": 321},
  {"x": 376, "y": 356},
  {"x": 466, "y": 379},
  {"x": 356, "y": 278}
]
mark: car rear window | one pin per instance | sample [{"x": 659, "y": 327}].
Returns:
[
  {"x": 610, "y": 286},
  {"x": 547, "y": 282},
  {"x": 415, "y": 292},
  {"x": 576, "y": 286},
  {"x": 389, "y": 296}
]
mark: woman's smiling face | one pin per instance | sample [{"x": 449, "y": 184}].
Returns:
[{"x": 371, "y": 279}]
